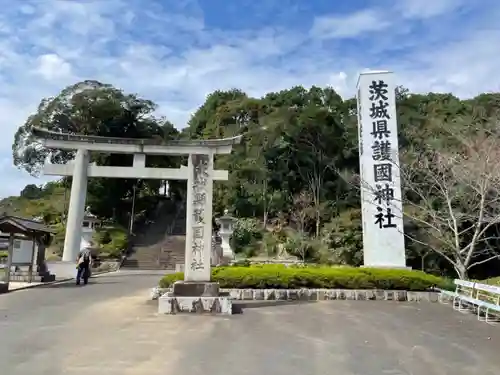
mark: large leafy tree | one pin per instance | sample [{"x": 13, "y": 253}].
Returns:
[
  {"x": 217, "y": 109},
  {"x": 295, "y": 143},
  {"x": 93, "y": 108},
  {"x": 90, "y": 108}
]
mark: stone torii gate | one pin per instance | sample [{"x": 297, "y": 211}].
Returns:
[{"x": 199, "y": 174}]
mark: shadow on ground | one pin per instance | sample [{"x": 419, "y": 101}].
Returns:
[
  {"x": 72, "y": 284},
  {"x": 240, "y": 306}
]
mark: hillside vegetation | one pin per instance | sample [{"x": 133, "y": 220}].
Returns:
[
  {"x": 294, "y": 183},
  {"x": 49, "y": 203}
]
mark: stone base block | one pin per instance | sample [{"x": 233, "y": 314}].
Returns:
[
  {"x": 329, "y": 295},
  {"x": 316, "y": 294},
  {"x": 195, "y": 289},
  {"x": 169, "y": 304}
]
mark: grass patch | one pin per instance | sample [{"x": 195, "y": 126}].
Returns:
[{"x": 275, "y": 276}]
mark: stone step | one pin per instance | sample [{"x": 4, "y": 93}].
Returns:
[
  {"x": 163, "y": 263},
  {"x": 162, "y": 255},
  {"x": 144, "y": 257},
  {"x": 146, "y": 264},
  {"x": 135, "y": 261},
  {"x": 156, "y": 260},
  {"x": 149, "y": 266}
]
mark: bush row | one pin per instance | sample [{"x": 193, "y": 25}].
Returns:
[
  {"x": 282, "y": 277},
  {"x": 491, "y": 281}
]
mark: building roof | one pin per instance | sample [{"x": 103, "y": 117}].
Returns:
[{"x": 19, "y": 225}]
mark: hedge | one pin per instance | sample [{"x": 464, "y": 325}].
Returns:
[
  {"x": 282, "y": 277},
  {"x": 491, "y": 281}
]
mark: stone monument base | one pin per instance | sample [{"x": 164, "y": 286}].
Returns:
[
  {"x": 170, "y": 304},
  {"x": 195, "y": 289},
  {"x": 196, "y": 298}
]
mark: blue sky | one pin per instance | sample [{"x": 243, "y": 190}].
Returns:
[{"x": 176, "y": 52}]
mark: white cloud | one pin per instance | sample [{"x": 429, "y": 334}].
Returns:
[
  {"x": 53, "y": 67},
  {"x": 427, "y": 8},
  {"x": 175, "y": 56},
  {"x": 350, "y": 25}
]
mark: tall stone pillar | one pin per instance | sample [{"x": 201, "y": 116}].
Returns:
[
  {"x": 76, "y": 210},
  {"x": 197, "y": 293},
  {"x": 381, "y": 198},
  {"x": 199, "y": 218}
]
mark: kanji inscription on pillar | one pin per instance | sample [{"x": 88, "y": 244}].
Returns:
[
  {"x": 383, "y": 234},
  {"x": 199, "y": 184}
]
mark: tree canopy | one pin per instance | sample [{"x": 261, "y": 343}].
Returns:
[
  {"x": 94, "y": 108},
  {"x": 284, "y": 176}
]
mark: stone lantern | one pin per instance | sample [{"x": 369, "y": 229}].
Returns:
[{"x": 226, "y": 223}]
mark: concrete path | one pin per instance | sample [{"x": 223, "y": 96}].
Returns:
[
  {"x": 107, "y": 327},
  {"x": 62, "y": 270}
]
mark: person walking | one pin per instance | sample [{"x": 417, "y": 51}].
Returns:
[{"x": 84, "y": 264}]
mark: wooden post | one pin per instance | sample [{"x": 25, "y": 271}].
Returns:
[
  {"x": 9, "y": 259},
  {"x": 33, "y": 239}
]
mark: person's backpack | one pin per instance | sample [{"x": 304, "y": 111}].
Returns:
[{"x": 85, "y": 257}]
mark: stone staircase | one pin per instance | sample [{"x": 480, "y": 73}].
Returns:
[
  {"x": 161, "y": 244},
  {"x": 173, "y": 252}
]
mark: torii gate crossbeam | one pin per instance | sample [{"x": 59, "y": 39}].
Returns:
[{"x": 199, "y": 174}]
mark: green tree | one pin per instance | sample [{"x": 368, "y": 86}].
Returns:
[
  {"x": 343, "y": 237},
  {"x": 31, "y": 191},
  {"x": 89, "y": 108},
  {"x": 93, "y": 108}
]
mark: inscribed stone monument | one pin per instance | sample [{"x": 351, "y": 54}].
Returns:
[
  {"x": 383, "y": 235},
  {"x": 199, "y": 218}
]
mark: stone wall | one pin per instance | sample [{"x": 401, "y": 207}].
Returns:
[{"x": 318, "y": 294}]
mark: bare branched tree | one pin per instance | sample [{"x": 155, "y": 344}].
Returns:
[
  {"x": 458, "y": 199},
  {"x": 303, "y": 210},
  {"x": 313, "y": 172},
  {"x": 452, "y": 193}
]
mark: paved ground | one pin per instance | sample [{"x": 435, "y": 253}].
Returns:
[
  {"x": 107, "y": 327},
  {"x": 62, "y": 270},
  {"x": 13, "y": 285}
]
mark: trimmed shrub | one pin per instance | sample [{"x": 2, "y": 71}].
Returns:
[
  {"x": 492, "y": 281},
  {"x": 343, "y": 236},
  {"x": 278, "y": 276},
  {"x": 112, "y": 241},
  {"x": 246, "y": 236}
]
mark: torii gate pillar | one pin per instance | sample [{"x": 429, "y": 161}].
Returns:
[
  {"x": 199, "y": 174},
  {"x": 76, "y": 210}
]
